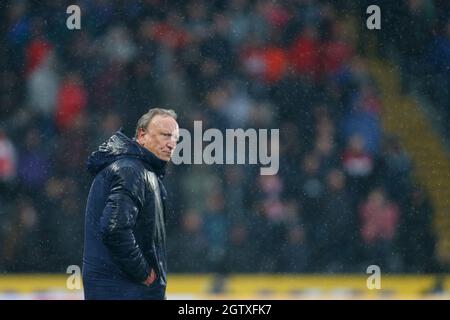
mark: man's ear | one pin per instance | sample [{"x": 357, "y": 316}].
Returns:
[{"x": 141, "y": 132}]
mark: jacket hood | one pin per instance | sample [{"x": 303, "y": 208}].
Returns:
[{"x": 119, "y": 146}]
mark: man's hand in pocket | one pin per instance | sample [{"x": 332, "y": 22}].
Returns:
[{"x": 151, "y": 278}]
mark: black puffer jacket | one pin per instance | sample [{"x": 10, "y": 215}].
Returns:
[{"x": 125, "y": 222}]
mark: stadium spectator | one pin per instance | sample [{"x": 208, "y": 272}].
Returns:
[
  {"x": 241, "y": 254},
  {"x": 8, "y": 160},
  {"x": 71, "y": 101},
  {"x": 34, "y": 167},
  {"x": 338, "y": 226},
  {"x": 295, "y": 255},
  {"x": 416, "y": 237},
  {"x": 358, "y": 165},
  {"x": 215, "y": 227},
  {"x": 397, "y": 167},
  {"x": 189, "y": 245},
  {"x": 379, "y": 230}
]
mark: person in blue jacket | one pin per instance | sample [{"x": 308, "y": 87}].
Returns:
[{"x": 125, "y": 241}]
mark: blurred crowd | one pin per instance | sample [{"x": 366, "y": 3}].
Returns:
[{"x": 344, "y": 197}]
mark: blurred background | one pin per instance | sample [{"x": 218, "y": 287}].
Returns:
[{"x": 363, "y": 115}]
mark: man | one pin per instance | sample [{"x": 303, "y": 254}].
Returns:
[{"x": 124, "y": 253}]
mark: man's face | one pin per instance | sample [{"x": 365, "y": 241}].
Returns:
[{"x": 160, "y": 137}]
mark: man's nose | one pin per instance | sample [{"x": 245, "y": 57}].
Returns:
[{"x": 172, "y": 143}]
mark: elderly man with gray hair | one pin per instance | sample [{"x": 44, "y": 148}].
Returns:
[{"x": 125, "y": 242}]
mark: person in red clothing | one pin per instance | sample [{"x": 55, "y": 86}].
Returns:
[
  {"x": 71, "y": 101},
  {"x": 379, "y": 224},
  {"x": 276, "y": 63},
  {"x": 336, "y": 51},
  {"x": 8, "y": 159},
  {"x": 304, "y": 55},
  {"x": 36, "y": 53},
  {"x": 170, "y": 32},
  {"x": 264, "y": 62}
]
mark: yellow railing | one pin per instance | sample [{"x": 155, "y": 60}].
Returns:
[{"x": 258, "y": 286}]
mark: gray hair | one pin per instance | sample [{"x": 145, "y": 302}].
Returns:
[{"x": 147, "y": 117}]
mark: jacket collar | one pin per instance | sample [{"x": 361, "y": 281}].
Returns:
[{"x": 153, "y": 162}]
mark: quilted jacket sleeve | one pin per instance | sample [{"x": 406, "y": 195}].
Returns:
[{"x": 125, "y": 199}]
